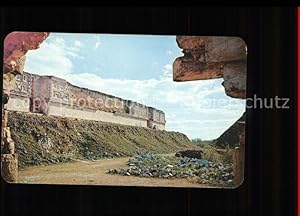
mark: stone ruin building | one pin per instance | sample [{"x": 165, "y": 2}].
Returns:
[
  {"x": 205, "y": 57},
  {"x": 54, "y": 96}
]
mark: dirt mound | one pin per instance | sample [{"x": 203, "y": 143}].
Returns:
[
  {"x": 230, "y": 138},
  {"x": 44, "y": 139}
]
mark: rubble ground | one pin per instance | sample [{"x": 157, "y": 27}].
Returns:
[{"x": 201, "y": 171}]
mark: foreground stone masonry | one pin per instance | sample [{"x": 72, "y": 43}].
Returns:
[
  {"x": 239, "y": 156},
  {"x": 207, "y": 57},
  {"x": 16, "y": 45},
  {"x": 55, "y": 96}
]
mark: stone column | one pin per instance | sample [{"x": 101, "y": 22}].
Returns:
[
  {"x": 9, "y": 159},
  {"x": 9, "y": 167},
  {"x": 239, "y": 155},
  {"x": 206, "y": 57},
  {"x": 16, "y": 45}
]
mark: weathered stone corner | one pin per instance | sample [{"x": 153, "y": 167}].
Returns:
[
  {"x": 9, "y": 167},
  {"x": 239, "y": 155},
  {"x": 211, "y": 58},
  {"x": 16, "y": 45},
  {"x": 208, "y": 57}
]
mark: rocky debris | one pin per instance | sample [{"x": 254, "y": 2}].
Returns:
[
  {"x": 190, "y": 154},
  {"x": 157, "y": 166},
  {"x": 90, "y": 155},
  {"x": 44, "y": 159},
  {"x": 45, "y": 141}
]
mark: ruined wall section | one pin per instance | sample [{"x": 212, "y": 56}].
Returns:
[
  {"x": 136, "y": 109},
  {"x": 41, "y": 94},
  {"x": 55, "y": 96},
  {"x": 59, "y": 90},
  {"x": 21, "y": 93},
  {"x": 207, "y": 57},
  {"x": 16, "y": 45},
  {"x": 156, "y": 119}
]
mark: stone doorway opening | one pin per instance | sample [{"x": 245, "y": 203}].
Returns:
[
  {"x": 207, "y": 57},
  {"x": 204, "y": 58}
]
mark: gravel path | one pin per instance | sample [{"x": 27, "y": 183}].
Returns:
[{"x": 93, "y": 173}]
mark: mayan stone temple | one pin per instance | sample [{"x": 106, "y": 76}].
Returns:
[{"x": 54, "y": 96}]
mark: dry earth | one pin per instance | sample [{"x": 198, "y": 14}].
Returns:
[{"x": 93, "y": 173}]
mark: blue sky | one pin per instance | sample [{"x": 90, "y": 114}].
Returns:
[{"x": 138, "y": 67}]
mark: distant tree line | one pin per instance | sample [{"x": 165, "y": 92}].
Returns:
[{"x": 200, "y": 142}]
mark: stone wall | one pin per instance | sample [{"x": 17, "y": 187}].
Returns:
[
  {"x": 21, "y": 93},
  {"x": 18, "y": 103},
  {"x": 16, "y": 45},
  {"x": 156, "y": 118},
  {"x": 55, "y": 96},
  {"x": 207, "y": 57},
  {"x": 63, "y": 110}
]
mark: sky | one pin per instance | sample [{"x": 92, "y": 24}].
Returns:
[{"x": 138, "y": 68}]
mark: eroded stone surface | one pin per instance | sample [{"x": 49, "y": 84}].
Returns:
[
  {"x": 16, "y": 44},
  {"x": 208, "y": 57},
  {"x": 213, "y": 49},
  {"x": 235, "y": 77},
  {"x": 9, "y": 167},
  {"x": 186, "y": 69}
]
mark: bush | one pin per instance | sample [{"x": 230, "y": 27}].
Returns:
[{"x": 211, "y": 153}]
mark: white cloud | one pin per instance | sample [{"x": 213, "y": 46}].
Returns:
[
  {"x": 187, "y": 105},
  {"x": 78, "y": 43},
  {"x": 54, "y": 57},
  {"x": 169, "y": 52},
  {"x": 167, "y": 73},
  {"x": 98, "y": 42}
]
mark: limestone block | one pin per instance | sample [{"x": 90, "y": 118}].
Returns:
[
  {"x": 208, "y": 57},
  {"x": 9, "y": 82},
  {"x": 235, "y": 78},
  {"x": 237, "y": 166},
  {"x": 5, "y": 119},
  {"x": 215, "y": 49},
  {"x": 16, "y": 44},
  {"x": 239, "y": 155},
  {"x": 9, "y": 167},
  {"x": 9, "y": 144},
  {"x": 186, "y": 70}
]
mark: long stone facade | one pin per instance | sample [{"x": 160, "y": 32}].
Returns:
[{"x": 54, "y": 96}]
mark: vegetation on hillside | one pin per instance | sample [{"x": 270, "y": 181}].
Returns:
[{"x": 44, "y": 139}]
